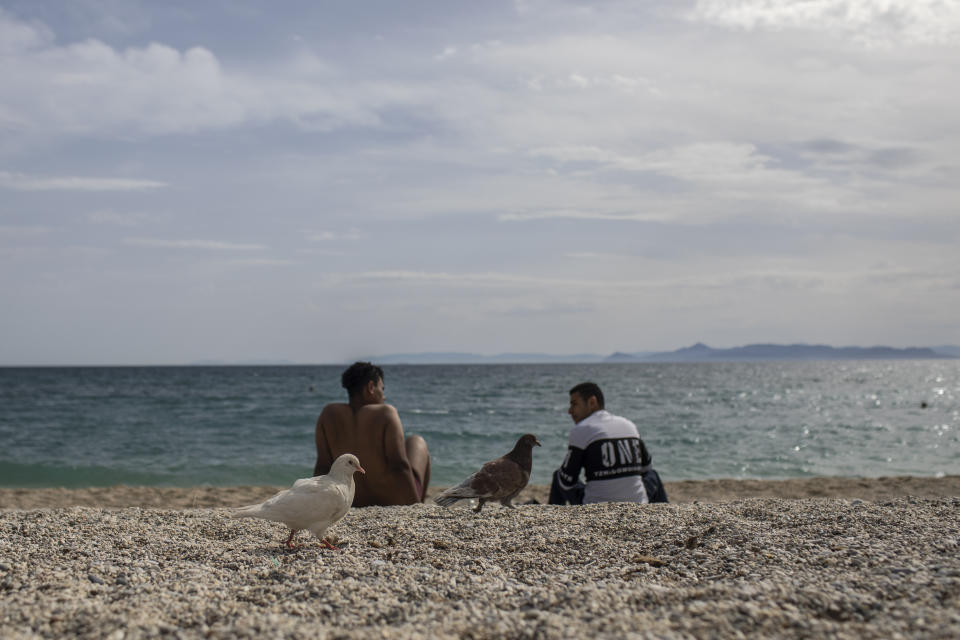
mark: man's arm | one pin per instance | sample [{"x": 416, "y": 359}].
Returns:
[
  {"x": 398, "y": 466},
  {"x": 324, "y": 457},
  {"x": 569, "y": 472}
]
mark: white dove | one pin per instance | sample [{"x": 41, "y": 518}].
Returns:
[{"x": 314, "y": 504}]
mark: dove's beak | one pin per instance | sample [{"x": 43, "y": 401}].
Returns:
[
  {"x": 360, "y": 469},
  {"x": 537, "y": 442}
]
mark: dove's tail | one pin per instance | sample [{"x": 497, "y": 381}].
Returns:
[{"x": 253, "y": 511}]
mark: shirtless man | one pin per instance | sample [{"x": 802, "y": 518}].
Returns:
[{"x": 398, "y": 469}]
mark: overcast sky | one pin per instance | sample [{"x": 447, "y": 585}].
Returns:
[{"x": 318, "y": 181}]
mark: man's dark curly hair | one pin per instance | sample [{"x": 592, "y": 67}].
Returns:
[
  {"x": 587, "y": 389},
  {"x": 357, "y": 375}
]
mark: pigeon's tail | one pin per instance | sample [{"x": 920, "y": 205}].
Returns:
[
  {"x": 452, "y": 495},
  {"x": 253, "y": 511}
]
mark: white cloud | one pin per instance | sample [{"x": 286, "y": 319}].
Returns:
[
  {"x": 870, "y": 22},
  {"x": 22, "y": 182},
  {"x": 89, "y": 87},
  {"x": 210, "y": 245},
  {"x": 448, "y": 52}
]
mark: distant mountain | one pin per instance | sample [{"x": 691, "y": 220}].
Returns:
[
  {"x": 698, "y": 352},
  {"x": 759, "y": 352},
  {"x": 474, "y": 358},
  {"x": 620, "y": 356},
  {"x": 240, "y": 363}
]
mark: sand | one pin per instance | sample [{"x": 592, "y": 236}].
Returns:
[
  {"x": 843, "y": 558},
  {"x": 722, "y": 490}
]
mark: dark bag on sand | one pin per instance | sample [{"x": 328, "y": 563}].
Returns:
[{"x": 655, "y": 490}]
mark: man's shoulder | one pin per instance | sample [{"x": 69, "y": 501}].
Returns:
[
  {"x": 378, "y": 413},
  {"x": 383, "y": 406},
  {"x": 600, "y": 425},
  {"x": 340, "y": 407},
  {"x": 339, "y": 415},
  {"x": 335, "y": 408}
]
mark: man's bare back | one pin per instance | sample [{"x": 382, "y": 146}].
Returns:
[{"x": 398, "y": 468}]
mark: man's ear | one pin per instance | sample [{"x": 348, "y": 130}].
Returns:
[
  {"x": 371, "y": 387},
  {"x": 593, "y": 404}
]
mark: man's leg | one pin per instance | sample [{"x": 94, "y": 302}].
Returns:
[
  {"x": 559, "y": 495},
  {"x": 419, "y": 458}
]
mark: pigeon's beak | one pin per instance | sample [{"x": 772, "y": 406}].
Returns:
[
  {"x": 537, "y": 442},
  {"x": 360, "y": 469}
]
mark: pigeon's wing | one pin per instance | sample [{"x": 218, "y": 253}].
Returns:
[
  {"x": 504, "y": 477},
  {"x": 495, "y": 479},
  {"x": 462, "y": 491}
]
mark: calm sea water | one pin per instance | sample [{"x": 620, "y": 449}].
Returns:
[{"x": 185, "y": 426}]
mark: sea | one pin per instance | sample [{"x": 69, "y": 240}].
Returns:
[{"x": 254, "y": 425}]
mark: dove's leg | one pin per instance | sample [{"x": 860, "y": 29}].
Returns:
[
  {"x": 289, "y": 542},
  {"x": 508, "y": 502},
  {"x": 480, "y": 502},
  {"x": 328, "y": 545}
]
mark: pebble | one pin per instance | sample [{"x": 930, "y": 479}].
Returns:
[{"x": 758, "y": 567}]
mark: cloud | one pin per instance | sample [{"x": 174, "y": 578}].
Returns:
[
  {"x": 158, "y": 89},
  {"x": 208, "y": 245},
  {"x": 121, "y": 219},
  {"x": 670, "y": 290},
  {"x": 17, "y": 36},
  {"x": 24, "y": 231},
  {"x": 647, "y": 215},
  {"x": 448, "y": 52},
  {"x": 22, "y": 182},
  {"x": 262, "y": 262},
  {"x": 869, "y": 22},
  {"x": 675, "y": 183},
  {"x": 481, "y": 279},
  {"x": 329, "y": 236}
]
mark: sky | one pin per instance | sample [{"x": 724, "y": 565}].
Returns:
[{"x": 318, "y": 181}]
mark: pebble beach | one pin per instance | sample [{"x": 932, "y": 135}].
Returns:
[{"x": 856, "y": 561}]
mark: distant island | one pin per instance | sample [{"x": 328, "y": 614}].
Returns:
[
  {"x": 759, "y": 352},
  {"x": 698, "y": 352},
  {"x": 474, "y": 358}
]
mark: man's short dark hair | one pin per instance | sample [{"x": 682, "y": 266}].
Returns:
[
  {"x": 586, "y": 390},
  {"x": 357, "y": 375}
]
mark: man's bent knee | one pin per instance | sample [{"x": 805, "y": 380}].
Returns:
[{"x": 416, "y": 441}]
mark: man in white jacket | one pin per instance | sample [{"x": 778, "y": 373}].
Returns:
[{"x": 608, "y": 449}]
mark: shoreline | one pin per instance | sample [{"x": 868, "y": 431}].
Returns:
[{"x": 680, "y": 492}]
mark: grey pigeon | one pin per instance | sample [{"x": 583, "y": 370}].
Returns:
[
  {"x": 314, "y": 504},
  {"x": 501, "y": 479}
]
